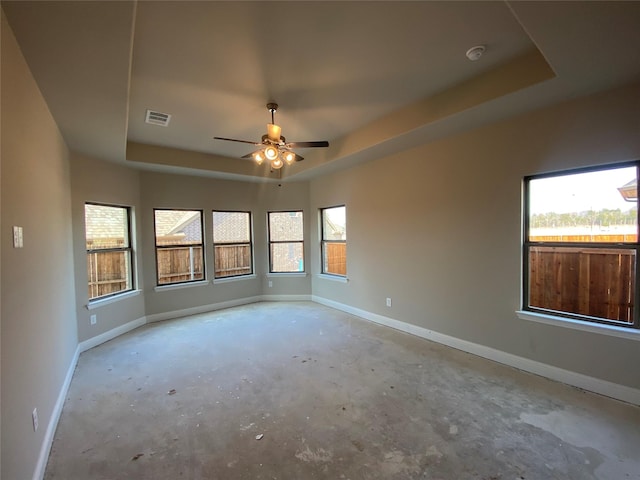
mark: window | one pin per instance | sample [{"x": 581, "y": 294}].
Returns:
[
  {"x": 179, "y": 242},
  {"x": 581, "y": 244},
  {"x": 334, "y": 240},
  {"x": 286, "y": 242},
  {"x": 232, "y": 244},
  {"x": 109, "y": 253}
]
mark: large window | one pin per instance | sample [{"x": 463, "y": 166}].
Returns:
[
  {"x": 581, "y": 244},
  {"x": 179, "y": 242},
  {"x": 232, "y": 244},
  {"x": 334, "y": 240},
  {"x": 286, "y": 242},
  {"x": 109, "y": 253}
]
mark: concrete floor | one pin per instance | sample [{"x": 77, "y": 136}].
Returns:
[{"x": 330, "y": 396}]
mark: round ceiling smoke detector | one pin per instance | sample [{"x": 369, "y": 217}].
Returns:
[{"x": 474, "y": 53}]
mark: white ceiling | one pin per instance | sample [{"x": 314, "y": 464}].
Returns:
[{"x": 370, "y": 77}]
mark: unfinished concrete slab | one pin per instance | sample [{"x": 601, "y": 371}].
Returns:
[{"x": 302, "y": 391}]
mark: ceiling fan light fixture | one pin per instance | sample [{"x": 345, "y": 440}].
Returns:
[
  {"x": 289, "y": 157},
  {"x": 271, "y": 152},
  {"x": 258, "y": 158},
  {"x": 273, "y": 146}
]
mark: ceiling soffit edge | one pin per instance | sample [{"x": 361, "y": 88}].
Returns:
[
  {"x": 206, "y": 162},
  {"x": 519, "y": 73}
]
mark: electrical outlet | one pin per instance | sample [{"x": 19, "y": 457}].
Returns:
[
  {"x": 270, "y": 284},
  {"x": 34, "y": 418},
  {"x": 94, "y": 319},
  {"x": 388, "y": 302}
]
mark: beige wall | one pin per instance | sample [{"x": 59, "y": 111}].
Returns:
[
  {"x": 438, "y": 229},
  {"x": 184, "y": 192},
  {"x": 103, "y": 182},
  {"x": 39, "y": 336}
]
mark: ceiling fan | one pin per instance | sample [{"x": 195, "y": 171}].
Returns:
[{"x": 273, "y": 146}]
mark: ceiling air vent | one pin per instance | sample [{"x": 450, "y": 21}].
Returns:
[{"x": 157, "y": 118}]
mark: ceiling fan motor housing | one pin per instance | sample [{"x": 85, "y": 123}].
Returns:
[{"x": 273, "y": 132}]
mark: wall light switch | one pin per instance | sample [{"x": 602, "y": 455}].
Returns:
[
  {"x": 94, "y": 319},
  {"x": 17, "y": 237},
  {"x": 270, "y": 284},
  {"x": 388, "y": 302}
]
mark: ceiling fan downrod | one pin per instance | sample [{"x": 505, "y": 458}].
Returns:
[{"x": 272, "y": 107}]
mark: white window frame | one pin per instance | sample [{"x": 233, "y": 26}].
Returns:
[
  {"x": 285, "y": 242},
  {"x": 248, "y": 243},
  {"x": 326, "y": 242},
  {"x": 570, "y": 319},
  {"x": 127, "y": 250},
  {"x": 191, "y": 245}
]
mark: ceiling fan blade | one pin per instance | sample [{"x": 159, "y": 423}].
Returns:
[
  {"x": 235, "y": 140},
  {"x": 323, "y": 143},
  {"x": 250, "y": 155},
  {"x": 298, "y": 158}
]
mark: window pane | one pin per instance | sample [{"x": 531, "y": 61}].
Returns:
[
  {"x": 232, "y": 244},
  {"x": 231, "y": 227},
  {"x": 584, "y": 207},
  {"x": 181, "y": 258},
  {"x": 106, "y": 227},
  {"x": 334, "y": 257},
  {"x": 286, "y": 226},
  {"x": 287, "y": 257},
  {"x": 598, "y": 282},
  {"x": 334, "y": 225},
  {"x": 178, "y": 227},
  {"x": 108, "y": 273},
  {"x": 179, "y": 264},
  {"x": 232, "y": 260}
]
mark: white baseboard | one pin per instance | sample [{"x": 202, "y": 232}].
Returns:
[
  {"x": 596, "y": 385},
  {"x": 47, "y": 441},
  {"x": 285, "y": 298},
  {"x": 45, "y": 448},
  {"x": 603, "y": 387},
  {"x": 157, "y": 317},
  {"x": 111, "y": 334}
]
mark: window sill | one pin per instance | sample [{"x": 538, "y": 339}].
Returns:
[
  {"x": 233, "y": 279},
  {"x": 112, "y": 299},
  {"x": 611, "y": 330},
  {"x": 287, "y": 274},
  {"x": 177, "y": 286},
  {"x": 334, "y": 278}
]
